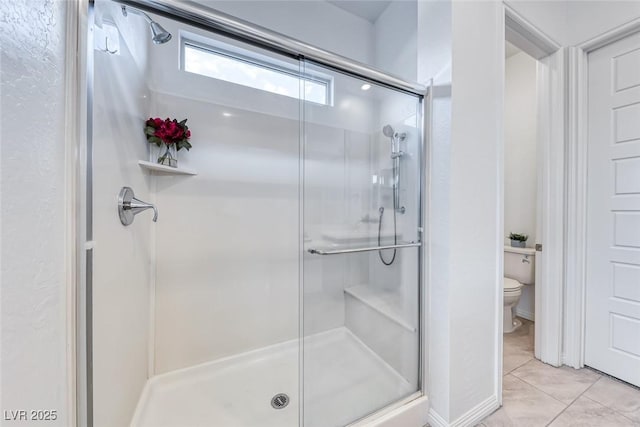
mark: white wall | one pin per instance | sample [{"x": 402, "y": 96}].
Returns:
[
  {"x": 520, "y": 121},
  {"x": 395, "y": 40},
  {"x": 389, "y": 44},
  {"x": 227, "y": 239},
  {"x": 550, "y": 17},
  {"x": 122, "y": 256},
  {"x": 476, "y": 145},
  {"x": 309, "y": 21},
  {"x": 520, "y": 182},
  {"x": 33, "y": 278},
  {"x": 465, "y": 251},
  {"x": 591, "y": 18},
  {"x": 337, "y": 165}
]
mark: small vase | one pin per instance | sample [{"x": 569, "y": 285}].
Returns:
[
  {"x": 165, "y": 154},
  {"x": 518, "y": 243}
]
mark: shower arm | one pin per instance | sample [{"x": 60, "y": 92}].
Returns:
[{"x": 126, "y": 11}]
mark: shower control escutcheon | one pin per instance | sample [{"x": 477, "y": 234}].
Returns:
[{"x": 129, "y": 206}]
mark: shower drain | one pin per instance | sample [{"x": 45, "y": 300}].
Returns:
[{"x": 280, "y": 401}]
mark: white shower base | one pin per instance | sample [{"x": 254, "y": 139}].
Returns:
[{"x": 344, "y": 380}]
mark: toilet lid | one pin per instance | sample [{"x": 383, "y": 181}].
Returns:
[{"x": 511, "y": 285}]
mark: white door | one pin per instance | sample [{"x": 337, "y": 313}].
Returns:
[{"x": 613, "y": 224}]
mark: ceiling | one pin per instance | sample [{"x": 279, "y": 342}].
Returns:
[
  {"x": 367, "y": 9},
  {"x": 510, "y": 50}
]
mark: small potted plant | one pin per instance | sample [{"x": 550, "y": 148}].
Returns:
[
  {"x": 170, "y": 136},
  {"x": 518, "y": 240}
]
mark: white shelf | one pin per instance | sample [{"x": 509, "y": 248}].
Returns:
[{"x": 166, "y": 169}]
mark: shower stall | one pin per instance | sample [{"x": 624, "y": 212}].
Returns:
[{"x": 279, "y": 282}]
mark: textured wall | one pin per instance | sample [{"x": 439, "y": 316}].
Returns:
[{"x": 32, "y": 187}]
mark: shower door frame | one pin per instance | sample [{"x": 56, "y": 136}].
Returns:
[{"x": 409, "y": 410}]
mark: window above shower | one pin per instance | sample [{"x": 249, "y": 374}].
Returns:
[{"x": 241, "y": 66}]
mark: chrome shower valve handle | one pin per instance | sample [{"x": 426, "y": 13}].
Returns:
[{"x": 129, "y": 206}]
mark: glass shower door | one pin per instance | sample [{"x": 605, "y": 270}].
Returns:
[
  {"x": 361, "y": 269},
  {"x": 296, "y": 172},
  {"x": 195, "y": 317}
]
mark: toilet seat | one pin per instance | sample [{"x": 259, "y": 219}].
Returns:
[{"x": 511, "y": 285}]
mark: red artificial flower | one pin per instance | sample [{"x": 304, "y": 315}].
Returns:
[{"x": 168, "y": 131}]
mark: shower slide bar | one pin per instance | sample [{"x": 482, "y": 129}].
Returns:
[
  {"x": 367, "y": 249},
  {"x": 214, "y": 20}
]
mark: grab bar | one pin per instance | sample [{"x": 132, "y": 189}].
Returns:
[{"x": 367, "y": 249}]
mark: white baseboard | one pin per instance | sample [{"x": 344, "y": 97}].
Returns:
[
  {"x": 435, "y": 420},
  {"x": 478, "y": 413},
  {"x": 525, "y": 314},
  {"x": 571, "y": 362},
  {"x": 470, "y": 419}
]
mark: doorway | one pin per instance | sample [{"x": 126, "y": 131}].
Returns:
[
  {"x": 541, "y": 303},
  {"x": 521, "y": 172}
]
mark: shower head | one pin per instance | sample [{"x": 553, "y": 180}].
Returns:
[
  {"x": 158, "y": 34},
  {"x": 388, "y": 131}
]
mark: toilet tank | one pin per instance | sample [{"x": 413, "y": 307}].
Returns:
[{"x": 520, "y": 264}]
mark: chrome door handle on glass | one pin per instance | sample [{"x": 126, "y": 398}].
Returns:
[{"x": 129, "y": 206}]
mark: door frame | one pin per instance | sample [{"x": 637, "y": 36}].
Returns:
[
  {"x": 551, "y": 182},
  {"x": 77, "y": 43},
  {"x": 576, "y": 208}
]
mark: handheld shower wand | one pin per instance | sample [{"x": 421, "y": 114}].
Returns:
[
  {"x": 395, "y": 138},
  {"x": 395, "y": 155}
]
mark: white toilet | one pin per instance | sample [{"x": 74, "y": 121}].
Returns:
[{"x": 519, "y": 270}]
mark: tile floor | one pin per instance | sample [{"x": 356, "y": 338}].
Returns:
[{"x": 535, "y": 394}]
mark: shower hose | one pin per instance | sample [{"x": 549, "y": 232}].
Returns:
[{"x": 395, "y": 209}]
